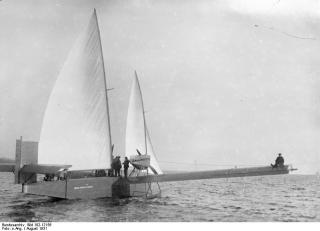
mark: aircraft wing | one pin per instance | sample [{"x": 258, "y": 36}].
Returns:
[
  {"x": 224, "y": 173},
  {"x": 43, "y": 168}
]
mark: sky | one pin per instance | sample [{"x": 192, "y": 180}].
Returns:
[{"x": 225, "y": 83}]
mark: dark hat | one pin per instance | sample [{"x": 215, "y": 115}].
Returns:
[{"x": 279, "y": 154}]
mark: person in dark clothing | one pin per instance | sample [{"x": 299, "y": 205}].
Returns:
[
  {"x": 49, "y": 177},
  {"x": 118, "y": 165},
  {"x": 126, "y": 166},
  {"x": 279, "y": 161}
]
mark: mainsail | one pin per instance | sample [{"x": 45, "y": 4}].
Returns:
[
  {"x": 137, "y": 135},
  {"x": 76, "y": 125}
]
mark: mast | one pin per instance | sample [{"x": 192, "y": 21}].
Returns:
[
  {"x": 105, "y": 85},
  {"x": 144, "y": 117}
]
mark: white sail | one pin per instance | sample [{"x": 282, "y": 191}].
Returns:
[
  {"x": 137, "y": 136},
  {"x": 76, "y": 126},
  {"x": 153, "y": 160}
]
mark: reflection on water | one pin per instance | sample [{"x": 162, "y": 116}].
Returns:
[{"x": 272, "y": 198}]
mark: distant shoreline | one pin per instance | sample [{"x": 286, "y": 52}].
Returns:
[{"x": 6, "y": 160}]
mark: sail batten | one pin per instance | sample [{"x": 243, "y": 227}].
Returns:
[
  {"x": 137, "y": 135},
  {"x": 76, "y": 125}
]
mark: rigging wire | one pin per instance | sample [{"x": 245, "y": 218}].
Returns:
[{"x": 284, "y": 32}]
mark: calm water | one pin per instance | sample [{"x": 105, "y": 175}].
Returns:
[{"x": 272, "y": 198}]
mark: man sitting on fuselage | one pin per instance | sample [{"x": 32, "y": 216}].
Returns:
[{"x": 279, "y": 162}]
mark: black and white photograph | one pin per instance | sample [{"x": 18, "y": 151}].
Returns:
[{"x": 199, "y": 111}]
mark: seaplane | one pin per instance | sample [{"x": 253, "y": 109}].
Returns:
[{"x": 75, "y": 141}]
